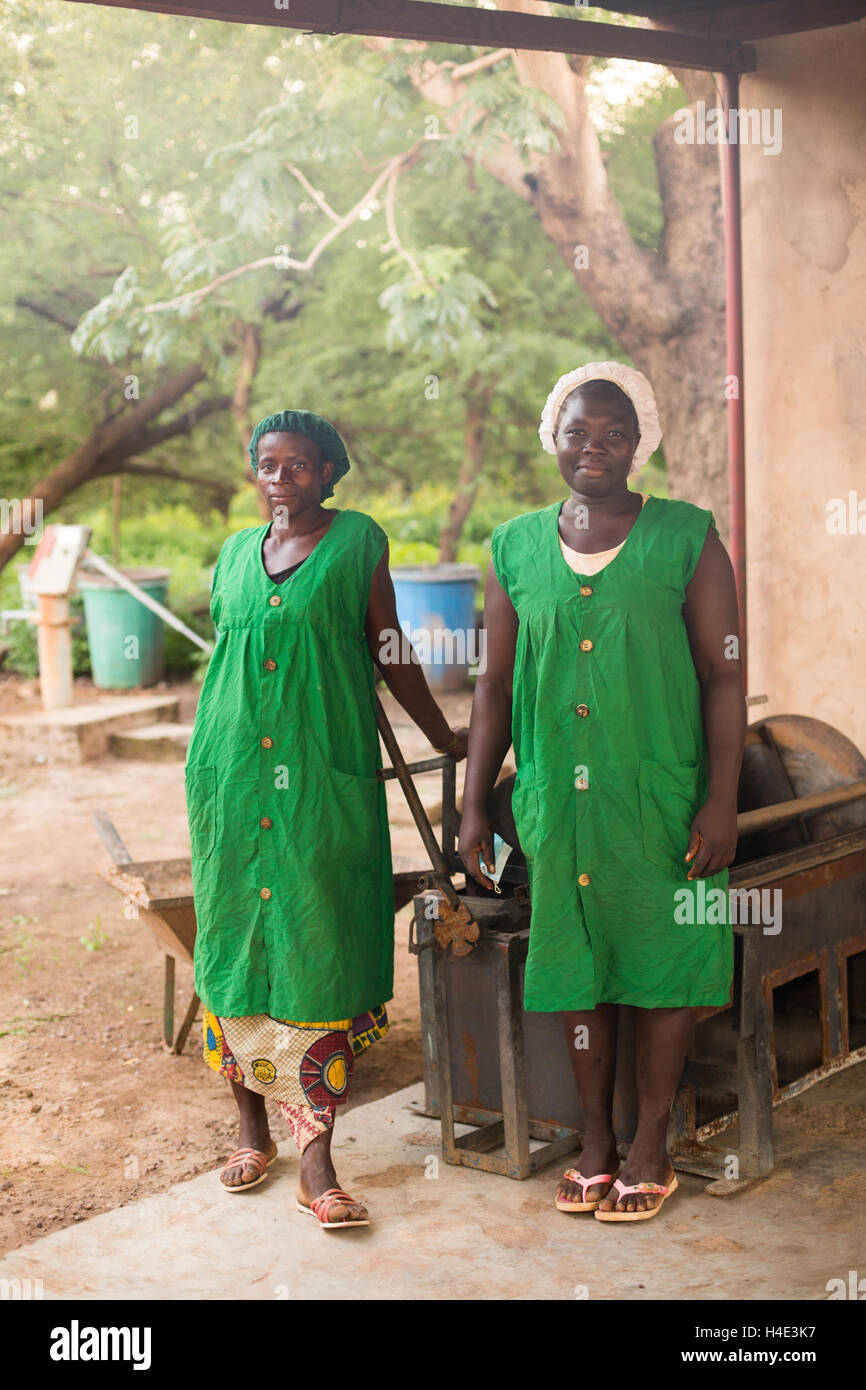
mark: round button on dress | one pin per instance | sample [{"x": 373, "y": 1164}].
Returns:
[{"x": 645, "y": 934}]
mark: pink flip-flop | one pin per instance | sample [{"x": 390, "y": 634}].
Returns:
[
  {"x": 572, "y": 1175},
  {"x": 320, "y": 1207},
  {"x": 656, "y": 1189}
]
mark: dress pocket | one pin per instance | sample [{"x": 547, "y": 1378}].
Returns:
[
  {"x": 201, "y": 810},
  {"x": 349, "y": 824},
  {"x": 524, "y": 805},
  {"x": 668, "y": 804}
]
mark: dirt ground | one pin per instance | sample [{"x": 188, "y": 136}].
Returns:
[{"x": 93, "y": 1112}]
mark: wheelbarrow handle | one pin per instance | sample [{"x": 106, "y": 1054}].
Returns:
[
  {"x": 110, "y": 838},
  {"x": 419, "y": 815}
]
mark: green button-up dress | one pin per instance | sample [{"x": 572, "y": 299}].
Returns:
[
  {"x": 291, "y": 856},
  {"x": 612, "y": 768}
]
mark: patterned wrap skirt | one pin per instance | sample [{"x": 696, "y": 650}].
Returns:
[{"x": 305, "y": 1067}]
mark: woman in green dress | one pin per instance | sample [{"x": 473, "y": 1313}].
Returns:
[
  {"x": 291, "y": 859},
  {"x": 613, "y": 664}
]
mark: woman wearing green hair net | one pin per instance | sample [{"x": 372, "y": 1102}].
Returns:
[{"x": 291, "y": 857}]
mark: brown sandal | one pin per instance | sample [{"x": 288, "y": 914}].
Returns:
[
  {"x": 253, "y": 1158},
  {"x": 320, "y": 1207}
]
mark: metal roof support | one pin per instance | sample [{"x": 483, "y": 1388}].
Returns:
[{"x": 437, "y": 23}]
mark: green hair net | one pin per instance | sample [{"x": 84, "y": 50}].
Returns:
[{"x": 314, "y": 427}]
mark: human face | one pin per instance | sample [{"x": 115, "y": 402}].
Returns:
[
  {"x": 291, "y": 471},
  {"x": 595, "y": 441}
]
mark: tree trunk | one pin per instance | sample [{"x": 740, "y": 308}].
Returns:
[
  {"x": 251, "y": 348},
  {"x": 471, "y": 463},
  {"x": 665, "y": 307},
  {"x": 115, "y": 440}
]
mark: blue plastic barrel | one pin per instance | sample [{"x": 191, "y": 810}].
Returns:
[{"x": 436, "y": 610}]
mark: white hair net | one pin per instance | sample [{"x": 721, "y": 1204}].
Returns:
[{"x": 635, "y": 386}]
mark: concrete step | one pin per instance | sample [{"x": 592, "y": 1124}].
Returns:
[
  {"x": 81, "y": 732},
  {"x": 156, "y": 743}
]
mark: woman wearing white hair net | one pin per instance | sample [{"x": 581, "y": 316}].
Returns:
[{"x": 612, "y": 663}]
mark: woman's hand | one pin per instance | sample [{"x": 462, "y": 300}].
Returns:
[
  {"x": 713, "y": 838},
  {"x": 476, "y": 836},
  {"x": 456, "y": 745}
]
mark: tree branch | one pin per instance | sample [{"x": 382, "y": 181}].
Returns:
[
  {"x": 287, "y": 262},
  {"x": 314, "y": 194},
  {"x": 43, "y": 313},
  {"x": 143, "y": 470},
  {"x": 391, "y": 223},
  {"x": 488, "y": 60},
  {"x": 182, "y": 424}
]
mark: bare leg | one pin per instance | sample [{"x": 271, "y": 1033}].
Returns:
[
  {"x": 317, "y": 1175},
  {"x": 661, "y": 1042},
  {"x": 253, "y": 1133},
  {"x": 594, "y": 1067}
]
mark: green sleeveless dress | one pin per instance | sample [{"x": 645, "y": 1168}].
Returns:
[
  {"x": 291, "y": 855},
  {"x": 612, "y": 768}
]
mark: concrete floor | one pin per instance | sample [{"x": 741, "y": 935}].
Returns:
[{"x": 442, "y": 1232}]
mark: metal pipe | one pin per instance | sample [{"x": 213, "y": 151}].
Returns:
[
  {"x": 167, "y": 617},
  {"x": 734, "y": 355},
  {"x": 768, "y": 817},
  {"x": 54, "y": 644}
]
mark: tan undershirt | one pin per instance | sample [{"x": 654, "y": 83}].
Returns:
[{"x": 591, "y": 564}]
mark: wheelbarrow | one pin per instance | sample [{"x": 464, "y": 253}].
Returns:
[{"x": 159, "y": 891}]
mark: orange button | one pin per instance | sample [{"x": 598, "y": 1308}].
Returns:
[
  {"x": 267, "y": 743},
  {"x": 275, "y": 600},
  {"x": 581, "y": 784},
  {"x": 264, "y": 893},
  {"x": 585, "y": 591},
  {"x": 266, "y": 823},
  {"x": 582, "y": 710},
  {"x": 583, "y": 880},
  {"x": 585, "y": 646},
  {"x": 270, "y": 665}
]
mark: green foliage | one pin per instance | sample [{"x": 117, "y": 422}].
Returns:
[
  {"x": 146, "y": 155},
  {"x": 23, "y": 654},
  {"x": 433, "y": 313},
  {"x": 629, "y": 158}
]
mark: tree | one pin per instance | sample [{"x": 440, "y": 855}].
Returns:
[
  {"x": 207, "y": 253},
  {"x": 664, "y": 306}
]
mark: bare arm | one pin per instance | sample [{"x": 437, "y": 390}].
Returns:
[
  {"x": 712, "y": 622},
  {"x": 489, "y": 725},
  {"x": 401, "y": 671}
]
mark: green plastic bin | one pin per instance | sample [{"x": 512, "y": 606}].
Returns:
[{"x": 124, "y": 637}]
